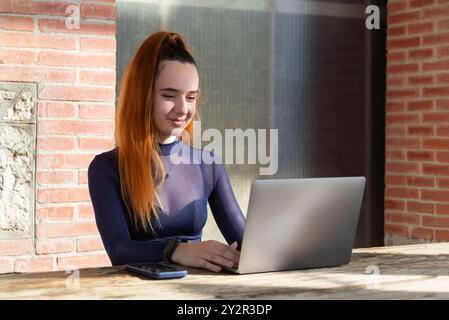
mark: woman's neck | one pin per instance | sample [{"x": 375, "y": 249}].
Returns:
[{"x": 167, "y": 140}]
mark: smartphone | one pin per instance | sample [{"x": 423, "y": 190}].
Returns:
[{"x": 156, "y": 270}]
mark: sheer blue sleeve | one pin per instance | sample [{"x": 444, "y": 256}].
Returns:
[
  {"x": 224, "y": 206},
  {"x": 111, "y": 223}
]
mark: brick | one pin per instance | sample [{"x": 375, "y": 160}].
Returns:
[
  {"x": 399, "y": 142},
  {"x": 419, "y": 155},
  {"x": 395, "y": 180},
  {"x": 64, "y": 161},
  {"x": 77, "y": 93},
  {"x": 435, "y": 195},
  {"x": 443, "y": 183},
  {"x": 402, "y": 68},
  {"x": 54, "y": 246},
  {"x": 37, "y": 41},
  {"x": 420, "y": 27},
  {"x": 394, "y": 204},
  {"x": 36, "y": 7},
  {"x": 59, "y": 25},
  {"x": 55, "y": 177},
  {"x": 421, "y": 3},
  {"x": 435, "y": 12},
  {"x": 69, "y": 59},
  {"x": 6, "y": 265},
  {"x": 442, "y": 52},
  {"x": 33, "y": 265},
  {"x": 395, "y": 82},
  {"x": 98, "y": 77},
  {"x": 443, "y": 131},
  {"x": 420, "y": 207},
  {"x": 396, "y": 56},
  {"x": 60, "y": 109},
  {"x": 82, "y": 177},
  {"x": 97, "y": 111},
  {"x": 401, "y": 218},
  {"x": 15, "y": 247},
  {"x": 398, "y": 18},
  {"x": 402, "y": 94},
  {"x": 394, "y": 155},
  {"x": 36, "y": 74},
  {"x": 442, "y": 78},
  {"x": 56, "y": 144},
  {"x": 86, "y": 212},
  {"x": 441, "y": 91},
  {"x": 420, "y": 181},
  {"x": 97, "y": 11},
  {"x": 395, "y": 131},
  {"x": 438, "y": 222},
  {"x": 80, "y": 262},
  {"x": 442, "y": 209},
  {"x": 89, "y": 244},
  {"x": 57, "y": 195},
  {"x": 394, "y": 106},
  {"x": 441, "y": 65},
  {"x": 433, "y": 39},
  {"x": 400, "y": 192},
  {"x": 435, "y": 143},
  {"x": 55, "y": 214},
  {"x": 76, "y": 127},
  {"x": 442, "y": 235},
  {"x": 100, "y": 144},
  {"x": 396, "y": 31},
  {"x": 17, "y": 23},
  {"x": 442, "y": 104},
  {"x": 402, "y": 167},
  {"x": 98, "y": 45},
  {"x": 394, "y": 229},
  {"x": 12, "y": 56},
  {"x": 424, "y": 131},
  {"x": 436, "y": 117},
  {"x": 420, "y": 80},
  {"x": 422, "y": 233},
  {"x": 402, "y": 118},
  {"x": 436, "y": 169},
  {"x": 442, "y": 156},
  {"x": 411, "y": 42},
  {"x": 396, "y": 6},
  {"x": 60, "y": 230},
  {"x": 420, "y": 105},
  {"x": 443, "y": 25}
]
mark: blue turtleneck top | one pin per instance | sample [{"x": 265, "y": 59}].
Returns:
[{"x": 196, "y": 177}]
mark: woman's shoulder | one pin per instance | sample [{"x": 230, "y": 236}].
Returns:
[{"x": 107, "y": 159}]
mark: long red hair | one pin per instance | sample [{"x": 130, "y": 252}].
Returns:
[{"x": 140, "y": 167}]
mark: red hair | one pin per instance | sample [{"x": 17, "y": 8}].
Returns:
[{"x": 140, "y": 167}]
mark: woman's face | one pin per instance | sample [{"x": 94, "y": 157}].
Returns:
[{"x": 175, "y": 96}]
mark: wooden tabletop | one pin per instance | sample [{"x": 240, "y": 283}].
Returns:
[{"x": 399, "y": 272}]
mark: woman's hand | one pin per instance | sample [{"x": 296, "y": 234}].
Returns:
[{"x": 210, "y": 255}]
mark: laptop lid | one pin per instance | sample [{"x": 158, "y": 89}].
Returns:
[{"x": 300, "y": 223}]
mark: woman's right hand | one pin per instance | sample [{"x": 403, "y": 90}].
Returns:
[{"x": 210, "y": 255}]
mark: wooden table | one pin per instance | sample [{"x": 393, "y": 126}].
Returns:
[{"x": 400, "y": 272}]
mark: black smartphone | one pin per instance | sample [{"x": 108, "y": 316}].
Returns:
[{"x": 156, "y": 270}]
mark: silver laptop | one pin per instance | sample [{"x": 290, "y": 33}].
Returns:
[{"x": 300, "y": 223}]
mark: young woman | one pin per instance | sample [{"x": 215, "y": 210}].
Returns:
[{"x": 147, "y": 207}]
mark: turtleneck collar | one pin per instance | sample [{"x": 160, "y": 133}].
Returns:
[{"x": 165, "y": 148}]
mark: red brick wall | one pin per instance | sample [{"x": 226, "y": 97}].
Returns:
[
  {"x": 417, "y": 122},
  {"x": 75, "y": 72}
]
